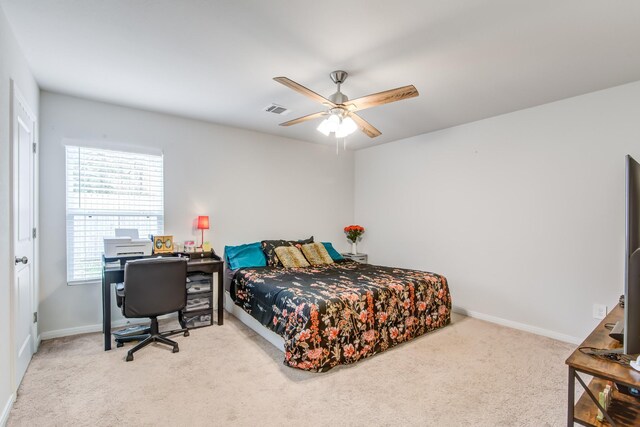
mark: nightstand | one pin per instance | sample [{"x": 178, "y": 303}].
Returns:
[{"x": 361, "y": 258}]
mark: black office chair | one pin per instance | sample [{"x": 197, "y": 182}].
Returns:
[{"x": 153, "y": 287}]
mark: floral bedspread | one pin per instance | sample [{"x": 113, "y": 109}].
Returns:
[{"x": 343, "y": 312}]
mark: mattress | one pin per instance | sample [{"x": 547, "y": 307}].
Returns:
[{"x": 343, "y": 312}]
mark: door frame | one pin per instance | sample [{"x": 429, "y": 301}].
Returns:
[{"x": 16, "y": 97}]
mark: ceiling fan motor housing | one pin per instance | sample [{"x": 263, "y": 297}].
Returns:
[
  {"x": 339, "y": 76},
  {"x": 338, "y": 98}
]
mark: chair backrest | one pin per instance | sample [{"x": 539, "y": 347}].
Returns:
[{"x": 154, "y": 286}]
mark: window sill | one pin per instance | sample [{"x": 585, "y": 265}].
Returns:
[{"x": 85, "y": 282}]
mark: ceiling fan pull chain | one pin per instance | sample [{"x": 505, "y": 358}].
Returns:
[{"x": 337, "y": 146}]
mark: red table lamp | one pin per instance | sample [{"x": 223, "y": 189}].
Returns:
[{"x": 203, "y": 224}]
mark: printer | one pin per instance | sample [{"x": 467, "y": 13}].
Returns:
[{"x": 126, "y": 243}]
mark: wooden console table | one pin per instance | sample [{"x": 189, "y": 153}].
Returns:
[{"x": 624, "y": 409}]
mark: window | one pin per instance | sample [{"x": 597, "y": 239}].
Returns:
[{"x": 107, "y": 190}]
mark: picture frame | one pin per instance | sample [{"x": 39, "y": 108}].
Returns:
[{"x": 162, "y": 244}]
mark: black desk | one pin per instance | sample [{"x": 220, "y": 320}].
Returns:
[{"x": 115, "y": 274}]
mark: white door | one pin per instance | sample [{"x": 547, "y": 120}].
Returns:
[{"x": 23, "y": 140}]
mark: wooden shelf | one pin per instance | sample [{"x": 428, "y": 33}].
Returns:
[
  {"x": 599, "y": 338},
  {"x": 624, "y": 409}
]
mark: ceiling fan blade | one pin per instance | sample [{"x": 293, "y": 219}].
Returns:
[
  {"x": 365, "y": 126},
  {"x": 303, "y": 119},
  {"x": 381, "y": 98},
  {"x": 303, "y": 90}
]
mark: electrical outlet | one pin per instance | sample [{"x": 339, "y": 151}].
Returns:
[{"x": 599, "y": 311}]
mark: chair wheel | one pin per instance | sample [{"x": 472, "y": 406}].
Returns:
[
  {"x": 129, "y": 357},
  {"x": 186, "y": 333},
  {"x": 119, "y": 344},
  {"x": 176, "y": 349}
]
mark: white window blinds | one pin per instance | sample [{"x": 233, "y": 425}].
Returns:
[{"x": 107, "y": 190}]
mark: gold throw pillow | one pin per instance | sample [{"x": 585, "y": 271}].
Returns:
[
  {"x": 316, "y": 254},
  {"x": 290, "y": 256}
]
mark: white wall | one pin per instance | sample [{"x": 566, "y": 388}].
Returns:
[
  {"x": 524, "y": 213},
  {"x": 253, "y": 186},
  {"x": 14, "y": 67}
]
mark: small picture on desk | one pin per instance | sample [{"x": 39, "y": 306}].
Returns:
[{"x": 162, "y": 244}]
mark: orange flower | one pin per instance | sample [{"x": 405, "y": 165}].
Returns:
[
  {"x": 333, "y": 333},
  {"x": 315, "y": 353},
  {"x": 370, "y": 335},
  {"x": 370, "y": 306},
  {"x": 349, "y": 350},
  {"x": 304, "y": 365},
  {"x": 412, "y": 295},
  {"x": 353, "y": 232},
  {"x": 393, "y": 333},
  {"x": 304, "y": 335},
  {"x": 352, "y": 297},
  {"x": 315, "y": 322}
]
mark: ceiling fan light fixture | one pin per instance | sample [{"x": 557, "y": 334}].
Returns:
[
  {"x": 334, "y": 122},
  {"x": 348, "y": 125},
  {"x": 324, "y": 127},
  {"x": 341, "y": 133},
  {"x": 339, "y": 126}
]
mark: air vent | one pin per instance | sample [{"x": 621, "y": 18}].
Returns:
[{"x": 277, "y": 109}]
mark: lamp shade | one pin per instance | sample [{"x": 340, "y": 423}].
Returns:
[
  {"x": 324, "y": 127},
  {"x": 203, "y": 223}
]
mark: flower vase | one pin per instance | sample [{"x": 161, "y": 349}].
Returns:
[{"x": 354, "y": 248}]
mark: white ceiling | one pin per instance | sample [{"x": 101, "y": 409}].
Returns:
[{"x": 215, "y": 60}]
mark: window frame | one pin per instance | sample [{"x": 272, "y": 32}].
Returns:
[{"x": 114, "y": 215}]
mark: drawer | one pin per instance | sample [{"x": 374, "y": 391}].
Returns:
[
  {"x": 199, "y": 286},
  {"x": 196, "y": 319},
  {"x": 199, "y": 302}
]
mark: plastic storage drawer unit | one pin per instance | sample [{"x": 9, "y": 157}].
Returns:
[
  {"x": 196, "y": 319},
  {"x": 198, "y": 302}
]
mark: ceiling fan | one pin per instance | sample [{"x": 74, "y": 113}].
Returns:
[{"x": 340, "y": 117}]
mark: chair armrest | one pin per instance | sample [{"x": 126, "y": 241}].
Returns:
[{"x": 119, "y": 294}]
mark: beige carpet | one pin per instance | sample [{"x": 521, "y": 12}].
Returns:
[{"x": 469, "y": 373}]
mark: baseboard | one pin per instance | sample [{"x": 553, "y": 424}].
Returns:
[
  {"x": 47, "y": 335},
  {"x": 516, "y": 325},
  {"x": 59, "y": 333},
  {"x": 4, "y": 417}
]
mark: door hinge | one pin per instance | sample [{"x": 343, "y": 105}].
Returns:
[
  {"x": 35, "y": 147},
  {"x": 35, "y": 317},
  {"x": 34, "y": 233}
]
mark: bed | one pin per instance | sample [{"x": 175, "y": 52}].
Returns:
[{"x": 338, "y": 313}]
